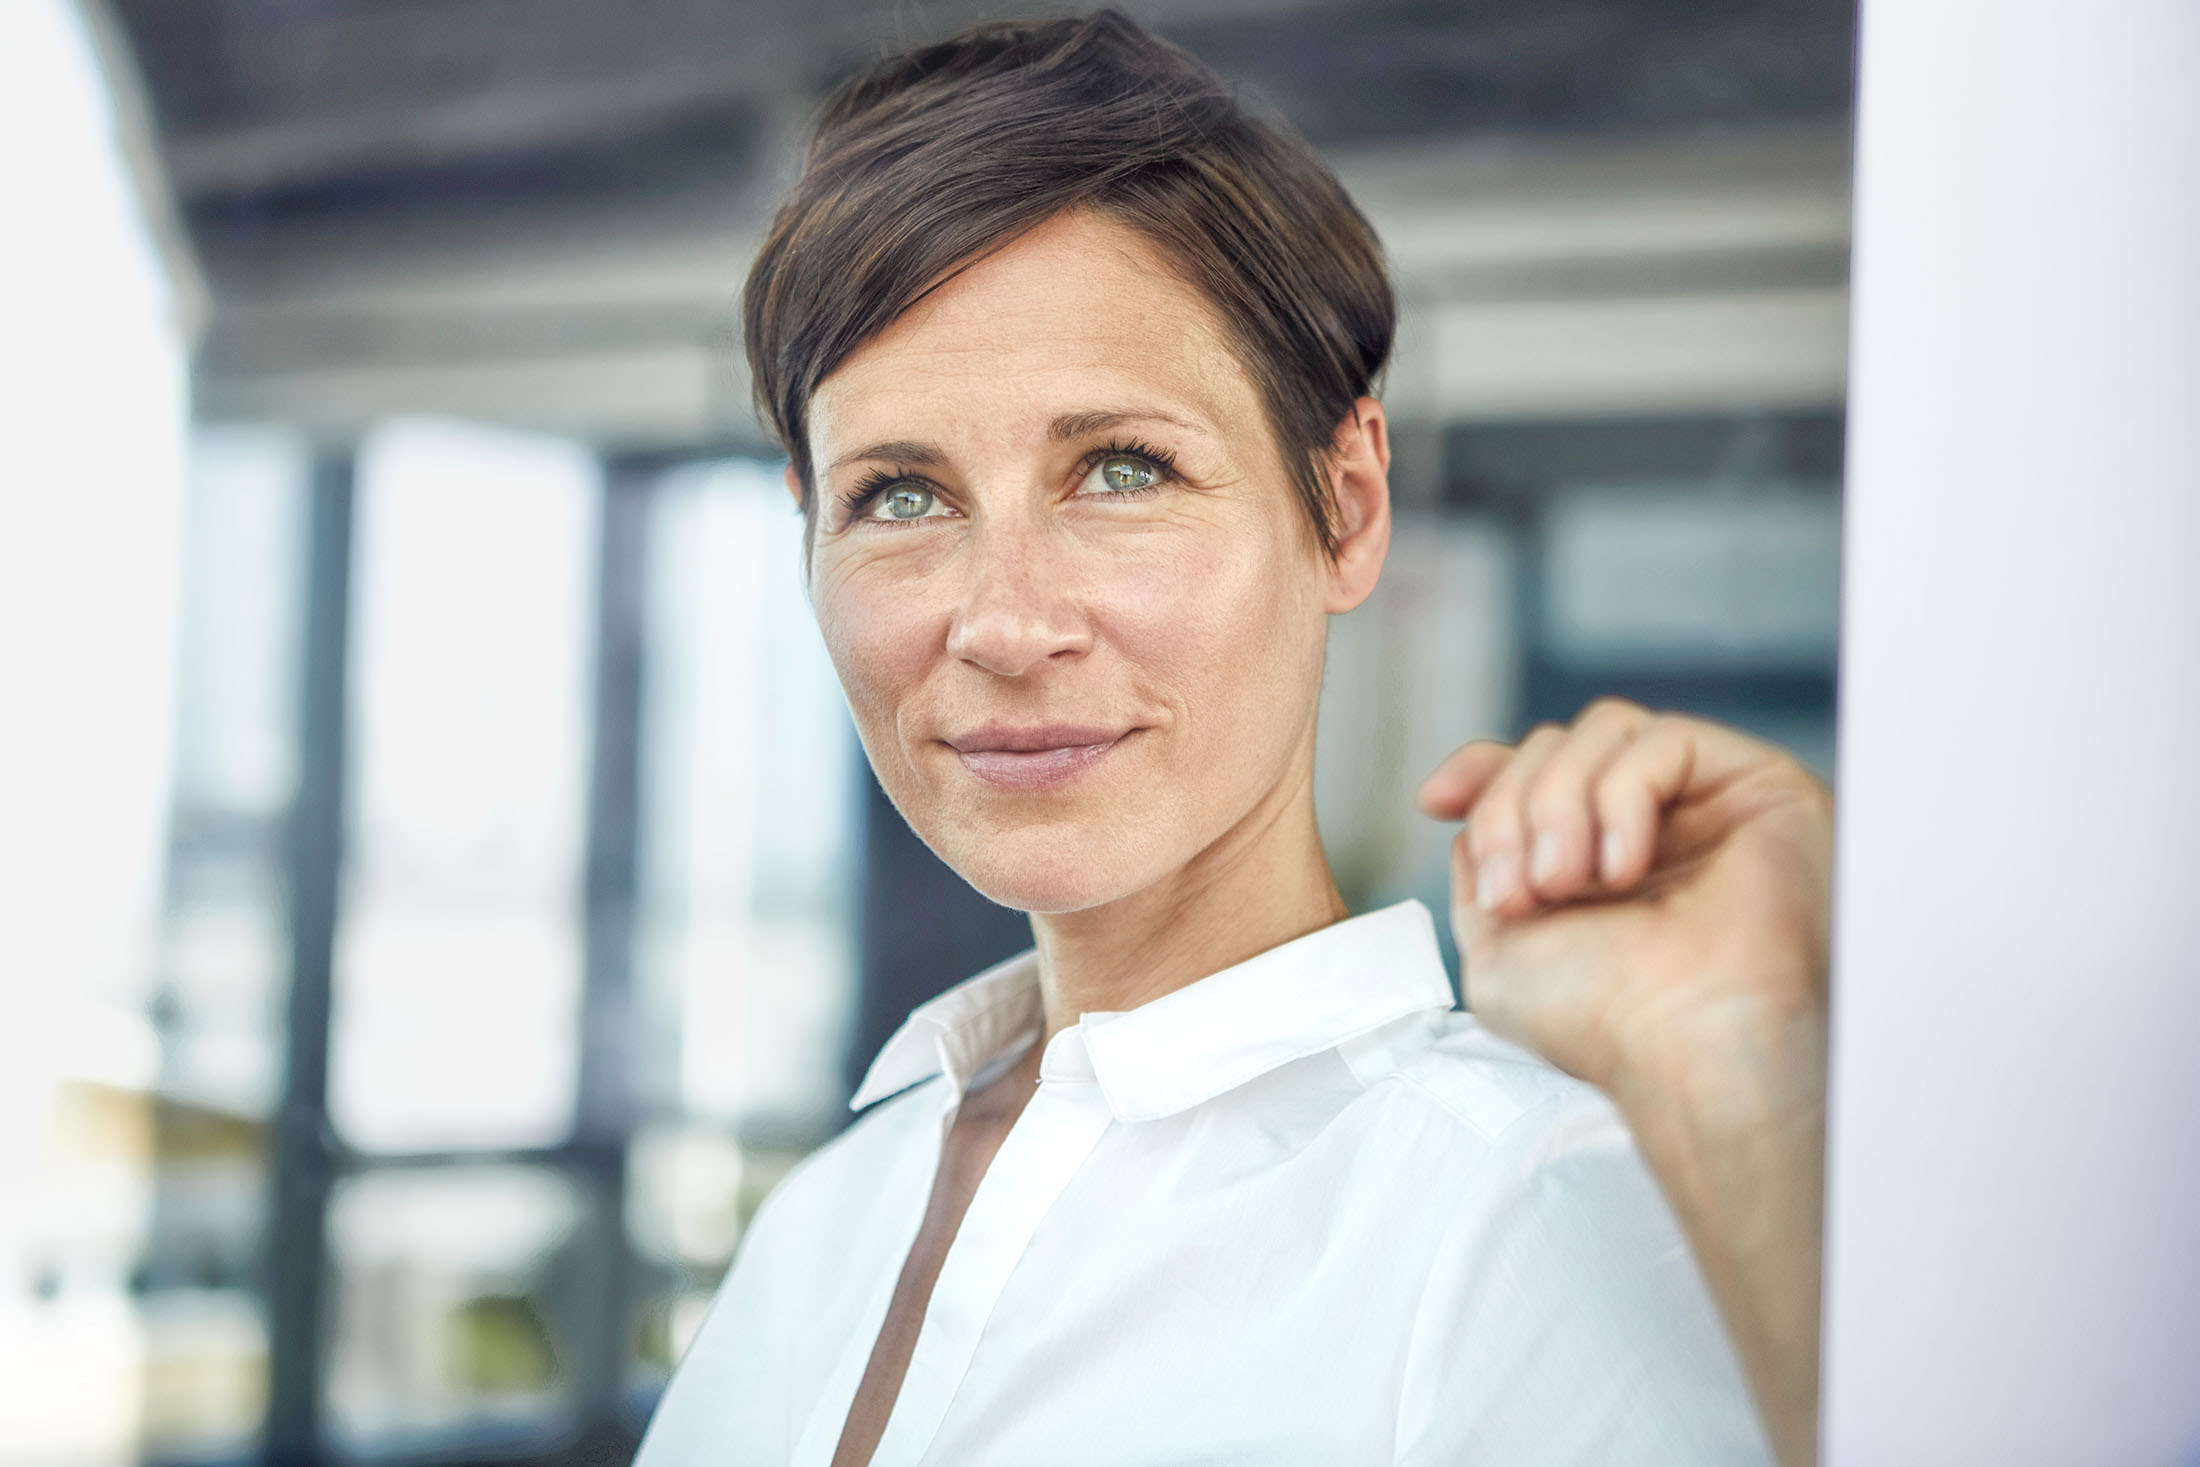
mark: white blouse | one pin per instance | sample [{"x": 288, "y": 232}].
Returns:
[{"x": 1299, "y": 1211}]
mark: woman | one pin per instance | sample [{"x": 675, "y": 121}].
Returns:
[{"x": 1073, "y": 361}]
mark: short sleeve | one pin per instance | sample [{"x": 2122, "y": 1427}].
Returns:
[{"x": 1565, "y": 1323}]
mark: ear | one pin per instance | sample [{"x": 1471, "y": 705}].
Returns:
[
  {"x": 1359, "y": 482},
  {"x": 794, "y": 485}
]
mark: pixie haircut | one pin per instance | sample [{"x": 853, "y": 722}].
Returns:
[{"x": 934, "y": 157}]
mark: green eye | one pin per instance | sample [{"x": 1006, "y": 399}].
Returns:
[
  {"x": 909, "y": 503},
  {"x": 1125, "y": 472}
]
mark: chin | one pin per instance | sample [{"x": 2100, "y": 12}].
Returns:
[{"x": 1050, "y": 868}]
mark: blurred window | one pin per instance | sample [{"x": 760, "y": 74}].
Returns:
[
  {"x": 458, "y": 954},
  {"x": 745, "y": 968},
  {"x": 1692, "y": 577},
  {"x": 1426, "y": 663},
  {"x": 461, "y": 1298},
  {"x": 225, "y": 949},
  {"x": 748, "y": 800},
  {"x": 603, "y": 935},
  {"x": 224, "y": 958}
]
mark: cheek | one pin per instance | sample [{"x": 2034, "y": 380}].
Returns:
[
  {"x": 881, "y": 638},
  {"x": 1227, "y": 628}
]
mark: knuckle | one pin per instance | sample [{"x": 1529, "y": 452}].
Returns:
[
  {"x": 1556, "y": 794},
  {"x": 1494, "y": 824},
  {"x": 1620, "y": 789},
  {"x": 1482, "y": 754},
  {"x": 1614, "y": 791},
  {"x": 1498, "y": 814},
  {"x": 1543, "y": 735},
  {"x": 1611, "y": 708},
  {"x": 1795, "y": 772},
  {"x": 1665, "y": 730}
]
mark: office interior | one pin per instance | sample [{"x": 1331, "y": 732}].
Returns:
[{"x": 450, "y": 893}]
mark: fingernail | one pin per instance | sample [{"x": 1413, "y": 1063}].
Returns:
[
  {"x": 1544, "y": 863},
  {"x": 1614, "y": 851},
  {"x": 1494, "y": 880}
]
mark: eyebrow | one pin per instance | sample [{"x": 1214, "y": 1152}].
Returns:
[
  {"x": 1067, "y": 428},
  {"x": 893, "y": 451},
  {"x": 1071, "y": 426}
]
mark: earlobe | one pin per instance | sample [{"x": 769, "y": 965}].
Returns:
[{"x": 1360, "y": 484}]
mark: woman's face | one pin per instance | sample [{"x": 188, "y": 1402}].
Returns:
[{"x": 1071, "y": 594}]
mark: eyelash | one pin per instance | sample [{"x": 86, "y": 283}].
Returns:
[{"x": 867, "y": 489}]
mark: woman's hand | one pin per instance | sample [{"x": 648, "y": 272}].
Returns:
[
  {"x": 1636, "y": 886},
  {"x": 1643, "y": 899}
]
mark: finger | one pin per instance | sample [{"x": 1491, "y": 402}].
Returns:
[
  {"x": 1468, "y": 920},
  {"x": 1675, "y": 760},
  {"x": 1474, "y": 928},
  {"x": 1452, "y": 788},
  {"x": 1668, "y": 759},
  {"x": 1497, "y": 827},
  {"x": 1562, "y": 822}
]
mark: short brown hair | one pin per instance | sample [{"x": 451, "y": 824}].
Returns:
[{"x": 936, "y": 156}]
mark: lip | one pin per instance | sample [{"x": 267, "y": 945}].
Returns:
[{"x": 1034, "y": 756}]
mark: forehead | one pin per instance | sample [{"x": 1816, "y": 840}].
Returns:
[{"x": 1078, "y": 314}]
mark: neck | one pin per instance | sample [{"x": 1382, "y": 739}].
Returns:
[{"x": 1263, "y": 883}]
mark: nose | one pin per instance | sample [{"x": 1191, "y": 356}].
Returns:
[{"x": 1018, "y": 611}]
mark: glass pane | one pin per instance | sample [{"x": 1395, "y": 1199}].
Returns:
[
  {"x": 458, "y": 958},
  {"x": 205, "y": 1378},
  {"x": 691, "y": 1190},
  {"x": 225, "y": 949},
  {"x": 1690, "y": 576},
  {"x": 1425, "y": 664},
  {"x": 461, "y": 1294},
  {"x": 684, "y": 1196},
  {"x": 745, "y": 965},
  {"x": 746, "y": 962}
]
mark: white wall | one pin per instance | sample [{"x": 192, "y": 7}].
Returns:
[
  {"x": 2015, "y": 1193},
  {"x": 92, "y": 412}
]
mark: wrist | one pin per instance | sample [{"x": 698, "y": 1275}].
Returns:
[
  {"x": 1731, "y": 1120},
  {"x": 1737, "y": 1075}
]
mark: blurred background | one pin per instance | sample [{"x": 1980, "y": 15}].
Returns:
[{"x": 443, "y": 893}]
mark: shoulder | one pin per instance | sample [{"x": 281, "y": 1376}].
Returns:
[
  {"x": 1521, "y": 1158},
  {"x": 1563, "y": 1318},
  {"x": 1496, "y": 1094},
  {"x": 1508, "y": 1145}
]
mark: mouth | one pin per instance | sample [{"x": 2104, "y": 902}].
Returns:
[{"x": 1034, "y": 757}]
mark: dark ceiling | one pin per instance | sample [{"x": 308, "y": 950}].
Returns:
[
  {"x": 538, "y": 212},
  {"x": 287, "y": 117}
]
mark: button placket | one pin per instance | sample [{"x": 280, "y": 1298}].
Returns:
[
  {"x": 1059, "y": 1127},
  {"x": 829, "y": 1414}
]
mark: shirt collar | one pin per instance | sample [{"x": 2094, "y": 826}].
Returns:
[{"x": 1310, "y": 994}]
